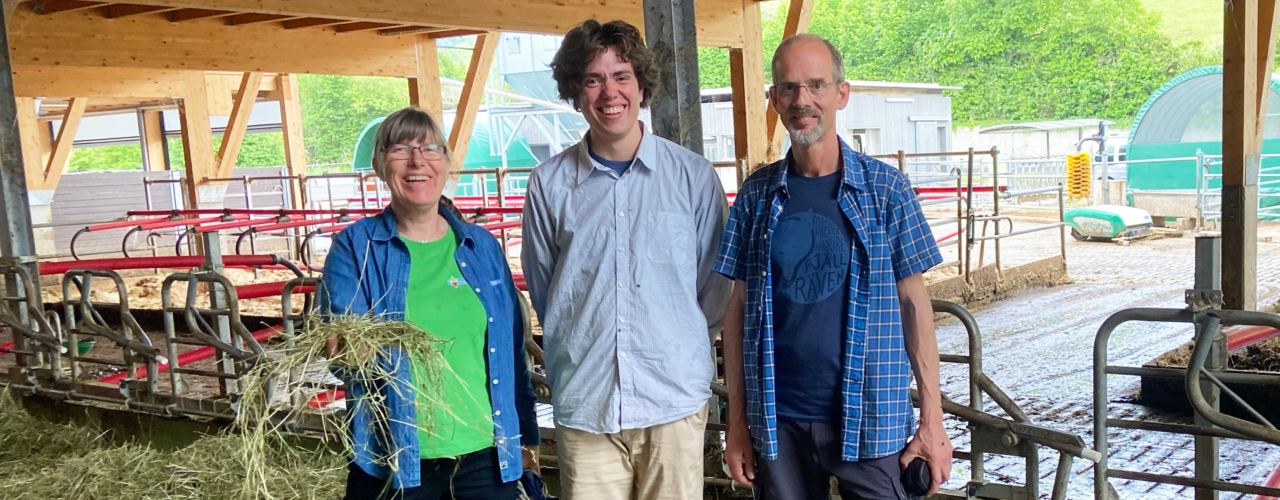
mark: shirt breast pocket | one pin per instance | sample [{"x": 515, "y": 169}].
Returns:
[{"x": 670, "y": 238}]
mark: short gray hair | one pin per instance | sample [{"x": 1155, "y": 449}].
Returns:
[
  {"x": 405, "y": 126},
  {"x": 837, "y": 61}
]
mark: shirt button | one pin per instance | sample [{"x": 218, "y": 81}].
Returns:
[
  {"x": 497, "y": 412},
  {"x": 495, "y": 381},
  {"x": 491, "y": 319},
  {"x": 762, "y": 273},
  {"x": 622, "y": 355},
  {"x": 622, "y": 320},
  {"x": 477, "y": 290},
  {"x": 622, "y": 214},
  {"x": 463, "y": 264},
  {"x": 493, "y": 349}
]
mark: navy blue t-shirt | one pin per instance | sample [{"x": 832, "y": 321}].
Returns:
[
  {"x": 809, "y": 254},
  {"x": 617, "y": 166}
]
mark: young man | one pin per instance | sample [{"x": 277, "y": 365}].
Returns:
[
  {"x": 827, "y": 248},
  {"x": 620, "y": 233}
]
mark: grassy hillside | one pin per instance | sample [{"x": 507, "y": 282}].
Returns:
[{"x": 1189, "y": 20}]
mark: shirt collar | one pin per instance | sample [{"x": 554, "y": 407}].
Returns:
[
  {"x": 646, "y": 156},
  {"x": 851, "y": 160},
  {"x": 384, "y": 228}
]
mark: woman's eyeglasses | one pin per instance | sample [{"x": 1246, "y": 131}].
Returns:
[{"x": 405, "y": 151}]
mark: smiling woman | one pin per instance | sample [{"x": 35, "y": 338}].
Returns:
[{"x": 420, "y": 263}]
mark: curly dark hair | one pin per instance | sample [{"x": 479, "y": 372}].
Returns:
[{"x": 586, "y": 41}]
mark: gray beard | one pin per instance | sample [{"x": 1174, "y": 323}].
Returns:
[{"x": 806, "y": 138}]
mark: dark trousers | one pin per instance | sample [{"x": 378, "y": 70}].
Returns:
[
  {"x": 809, "y": 456},
  {"x": 473, "y": 476}
]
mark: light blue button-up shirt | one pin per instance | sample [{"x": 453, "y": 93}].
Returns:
[{"x": 619, "y": 268}]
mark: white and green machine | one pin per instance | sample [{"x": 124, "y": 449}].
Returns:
[{"x": 1107, "y": 221}]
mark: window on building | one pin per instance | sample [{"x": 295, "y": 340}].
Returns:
[
  {"x": 865, "y": 140},
  {"x": 730, "y": 153},
  {"x": 710, "y": 148}
]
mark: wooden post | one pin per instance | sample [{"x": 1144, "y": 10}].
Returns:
[
  {"x": 62, "y": 145},
  {"x": 295, "y": 151},
  {"x": 238, "y": 124},
  {"x": 197, "y": 141},
  {"x": 469, "y": 103},
  {"x": 798, "y": 15},
  {"x": 36, "y": 144},
  {"x": 153, "y": 138},
  {"x": 424, "y": 90},
  {"x": 1248, "y": 53},
  {"x": 746, "y": 68}
]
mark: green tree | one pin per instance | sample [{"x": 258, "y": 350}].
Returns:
[{"x": 1017, "y": 60}]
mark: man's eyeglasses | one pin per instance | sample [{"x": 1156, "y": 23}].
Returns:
[
  {"x": 816, "y": 89},
  {"x": 405, "y": 151}
]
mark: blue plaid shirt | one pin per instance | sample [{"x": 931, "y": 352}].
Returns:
[{"x": 892, "y": 241}]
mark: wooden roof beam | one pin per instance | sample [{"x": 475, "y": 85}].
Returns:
[
  {"x": 243, "y": 19},
  {"x": 181, "y": 15},
  {"x": 361, "y": 26},
  {"x": 409, "y": 30},
  {"x": 55, "y": 6},
  {"x": 450, "y": 33},
  {"x": 309, "y": 22},
  {"x": 119, "y": 10}
]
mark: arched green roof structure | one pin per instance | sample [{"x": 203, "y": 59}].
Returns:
[{"x": 1180, "y": 118}]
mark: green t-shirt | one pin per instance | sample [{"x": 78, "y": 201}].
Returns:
[{"x": 440, "y": 301}]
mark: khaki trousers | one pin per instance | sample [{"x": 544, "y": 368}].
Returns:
[{"x": 663, "y": 462}]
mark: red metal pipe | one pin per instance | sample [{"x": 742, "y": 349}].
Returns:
[
  {"x": 255, "y": 211},
  {"x": 1239, "y": 337},
  {"x": 260, "y": 290},
  {"x": 187, "y": 358},
  {"x": 947, "y": 237},
  {"x": 513, "y": 242},
  {"x": 1273, "y": 481},
  {"x": 232, "y": 225},
  {"x": 296, "y": 223},
  {"x": 6, "y": 348},
  {"x": 47, "y": 268},
  {"x": 124, "y": 223},
  {"x": 976, "y": 189},
  {"x": 185, "y": 222},
  {"x": 498, "y": 226},
  {"x": 325, "y": 398},
  {"x": 334, "y": 228}
]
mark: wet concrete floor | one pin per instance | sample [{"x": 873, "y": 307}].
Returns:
[{"x": 1038, "y": 349}]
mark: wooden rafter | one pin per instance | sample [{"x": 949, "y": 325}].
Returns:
[
  {"x": 181, "y": 15},
  {"x": 799, "y": 12},
  {"x": 119, "y": 10},
  {"x": 55, "y": 6},
  {"x": 62, "y": 145},
  {"x": 308, "y": 22},
  {"x": 204, "y": 46},
  {"x": 719, "y": 22},
  {"x": 361, "y": 26},
  {"x": 250, "y": 18},
  {"x": 472, "y": 94},
  {"x": 409, "y": 30},
  {"x": 451, "y": 33},
  {"x": 237, "y": 124}
]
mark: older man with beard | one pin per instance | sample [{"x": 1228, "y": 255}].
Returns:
[{"x": 826, "y": 325}]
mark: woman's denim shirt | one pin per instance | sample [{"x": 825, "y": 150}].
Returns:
[{"x": 367, "y": 271}]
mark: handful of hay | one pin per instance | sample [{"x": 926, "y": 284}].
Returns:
[{"x": 276, "y": 390}]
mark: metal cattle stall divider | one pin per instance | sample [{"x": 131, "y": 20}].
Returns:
[
  {"x": 1205, "y": 379},
  {"x": 994, "y": 434},
  {"x": 989, "y": 183}
]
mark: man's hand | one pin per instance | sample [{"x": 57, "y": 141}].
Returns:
[
  {"x": 931, "y": 443},
  {"x": 738, "y": 454},
  {"x": 529, "y": 459}
]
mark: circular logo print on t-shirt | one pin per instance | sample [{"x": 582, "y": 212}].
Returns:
[{"x": 813, "y": 256}]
